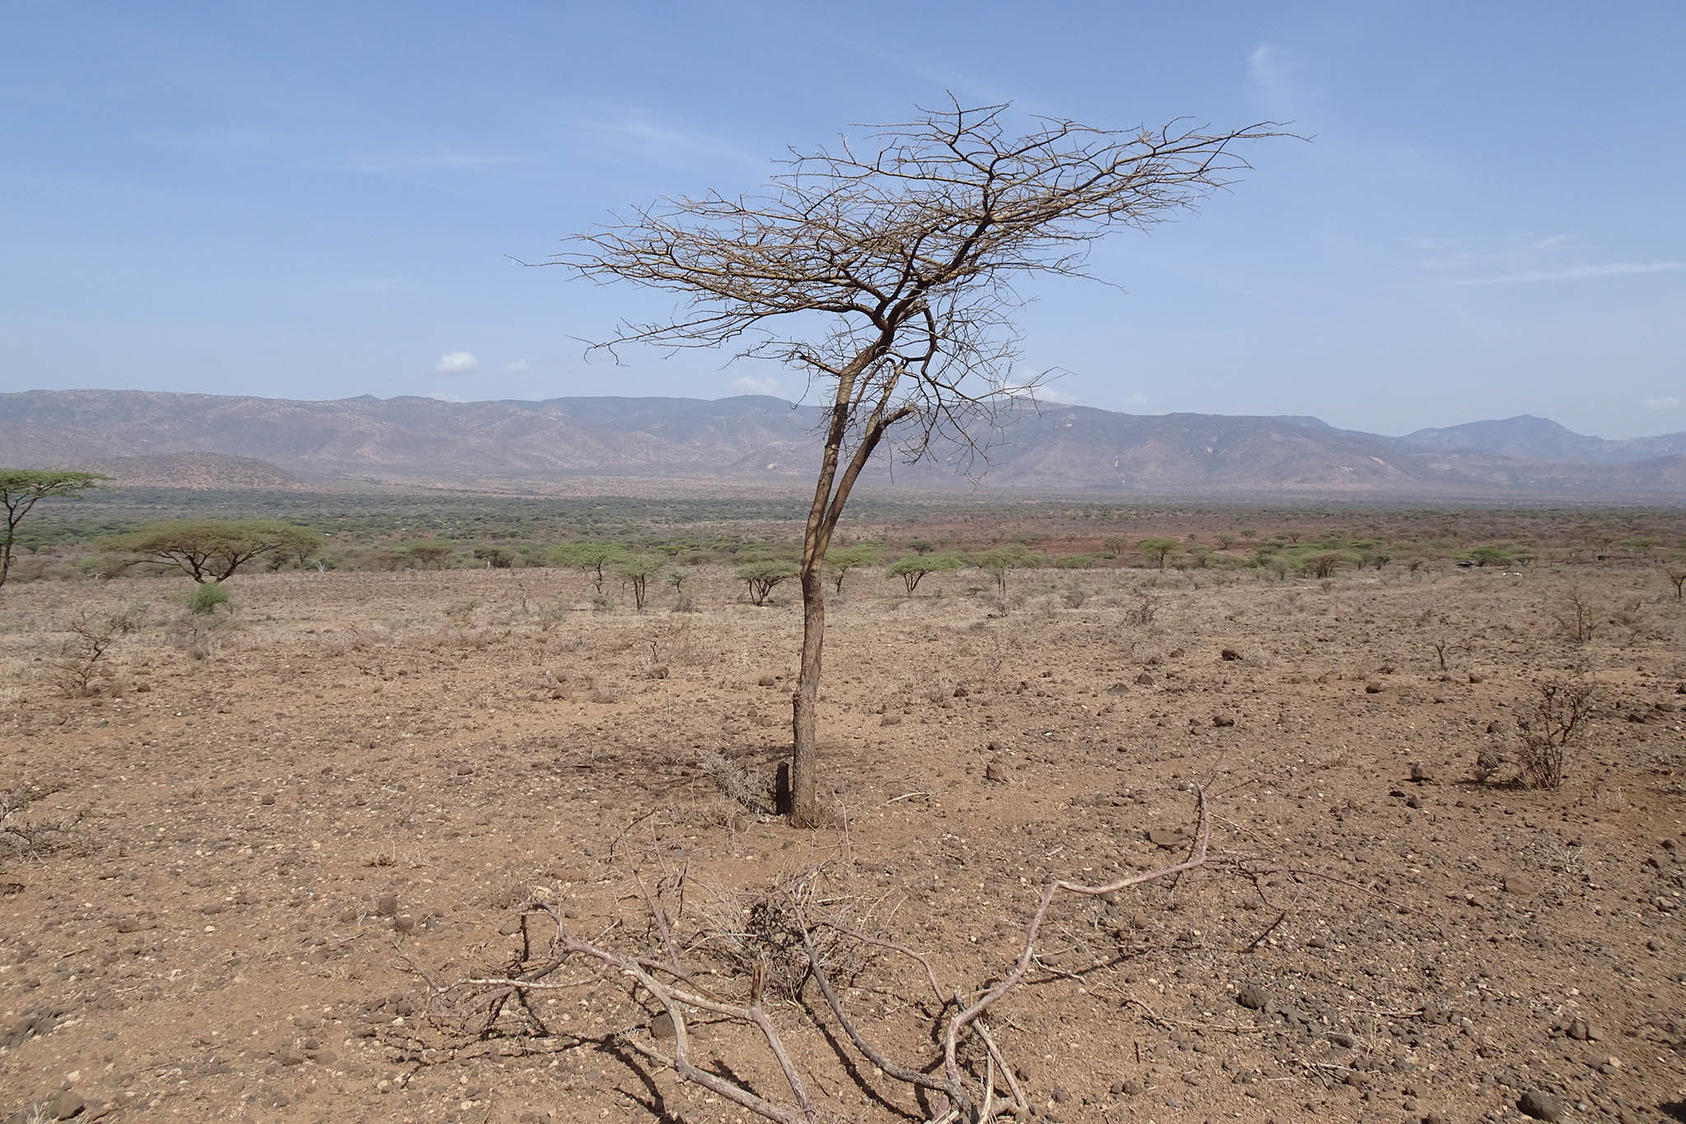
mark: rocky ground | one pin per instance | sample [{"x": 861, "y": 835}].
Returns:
[{"x": 245, "y": 869}]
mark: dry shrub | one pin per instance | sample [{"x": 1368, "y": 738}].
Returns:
[
  {"x": 1144, "y": 612},
  {"x": 1577, "y": 616},
  {"x": 23, "y": 838},
  {"x": 1554, "y": 727},
  {"x": 736, "y": 782},
  {"x": 79, "y": 658}
]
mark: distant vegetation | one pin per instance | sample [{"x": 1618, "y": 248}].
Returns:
[{"x": 635, "y": 544}]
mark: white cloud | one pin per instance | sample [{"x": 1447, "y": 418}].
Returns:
[
  {"x": 517, "y": 367},
  {"x": 1663, "y": 402},
  {"x": 749, "y": 384},
  {"x": 1267, "y": 66},
  {"x": 1054, "y": 395},
  {"x": 457, "y": 363},
  {"x": 1576, "y": 273}
]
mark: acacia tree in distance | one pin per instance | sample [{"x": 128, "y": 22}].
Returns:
[
  {"x": 211, "y": 550},
  {"x": 22, "y": 488},
  {"x": 883, "y": 271}
]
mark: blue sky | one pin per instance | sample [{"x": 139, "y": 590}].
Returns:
[{"x": 320, "y": 200}]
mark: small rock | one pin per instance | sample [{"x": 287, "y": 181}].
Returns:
[
  {"x": 1372, "y": 688},
  {"x": 1420, "y": 773},
  {"x": 995, "y": 772},
  {"x": 1222, "y": 720},
  {"x": 387, "y": 905},
  {"x": 66, "y": 1106},
  {"x": 404, "y": 923},
  {"x": 1229, "y": 654},
  {"x": 1541, "y": 1106},
  {"x": 290, "y": 1055},
  {"x": 766, "y": 681},
  {"x": 1519, "y": 884},
  {"x": 1144, "y": 680},
  {"x": 1169, "y": 840},
  {"x": 662, "y": 1026},
  {"x": 1253, "y": 997}
]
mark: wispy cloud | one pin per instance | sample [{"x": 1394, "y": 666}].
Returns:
[
  {"x": 1663, "y": 402},
  {"x": 1273, "y": 75},
  {"x": 517, "y": 367},
  {"x": 1575, "y": 273},
  {"x": 399, "y": 163},
  {"x": 457, "y": 363},
  {"x": 749, "y": 384},
  {"x": 636, "y": 136}
]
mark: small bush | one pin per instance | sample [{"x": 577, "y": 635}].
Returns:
[
  {"x": 1555, "y": 726},
  {"x": 763, "y": 577},
  {"x": 207, "y": 599},
  {"x": 1144, "y": 612},
  {"x": 80, "y": 657}
]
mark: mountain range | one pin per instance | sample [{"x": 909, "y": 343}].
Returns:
[{"x": 196, "y": 440}]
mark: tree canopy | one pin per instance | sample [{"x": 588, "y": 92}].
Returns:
[
  {"x": 210, "y": 550},
  {"x": 22, "y": 488}
]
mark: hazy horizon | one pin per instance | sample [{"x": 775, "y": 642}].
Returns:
[{"x": 797, "y": 402}]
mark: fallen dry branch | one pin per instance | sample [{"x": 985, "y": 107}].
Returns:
[{"x": 967, "y": 1081}]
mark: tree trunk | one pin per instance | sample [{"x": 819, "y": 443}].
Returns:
[{"x": 804, "y": 800}]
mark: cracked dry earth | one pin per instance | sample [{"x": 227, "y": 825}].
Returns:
[{"x": 300, "y": 826}]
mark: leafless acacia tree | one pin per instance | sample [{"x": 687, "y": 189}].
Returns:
[{"x": 883, "y": 270}]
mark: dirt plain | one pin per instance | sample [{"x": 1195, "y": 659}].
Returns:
[{"x": 299, "y": 826}]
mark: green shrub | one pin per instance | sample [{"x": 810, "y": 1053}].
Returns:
[{"x": 207, "y": 599}]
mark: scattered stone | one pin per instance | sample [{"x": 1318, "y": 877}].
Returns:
[
  {"x": 464, "y": 769},
  {"x": 1541, "y": 1106},
  {"x": 66, "y": 1106},
  {"x": 1253, "y": 997},
  {"x": 890, "y": 720},
  {"x": 387, "y": 905},
  {"x": 1222, "y": 720},
  {"x": 995, "y": 772},
  {"x": 290, "y": 1055},
  {"x": 1229, "y": 654},
  {"x": 1144, "y": 680},
  {"x": 1420, "y": 773},
  {"x": 1160, "y": 837},
  {"x": 1372, "y": 688},
  {"x": 662, "y": 1026},
  {"x": 1519, "y": 884},
  {"x": 766, "y": 681},
  {"x": 404, "y": 923},
  {"x": 962, "y": 693}
]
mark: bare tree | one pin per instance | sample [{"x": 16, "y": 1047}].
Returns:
[{"x": 883, "y": 270}]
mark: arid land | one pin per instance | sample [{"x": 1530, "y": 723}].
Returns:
[{"x": 249, "y": 867}]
